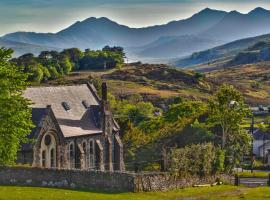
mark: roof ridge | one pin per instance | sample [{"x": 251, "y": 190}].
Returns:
[{"x": 51, "y": 86}]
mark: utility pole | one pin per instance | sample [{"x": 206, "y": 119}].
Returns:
[
  {"x": 251, "y": 153},
  {"x": 105, "y": 65}
]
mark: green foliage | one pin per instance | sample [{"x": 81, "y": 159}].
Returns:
[
  {"x": 184, "y": 109},
  {"x": 53, "y": 65},
  {"x": 15, "y": 115},
  {"x": 227, "y": 111},
  {"x": 219, "y": 161},
  {"x": 199, "y": 159}
]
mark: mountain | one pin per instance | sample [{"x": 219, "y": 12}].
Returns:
[
  {"x": 175, "y": 46},
  {"x": 95, "y": 33},
  {"x": 23, "y": 48},
  {"x": 236, "y": 25},
  {"x": 201, "y": 31},
  {"x": 242, "y": 51}
]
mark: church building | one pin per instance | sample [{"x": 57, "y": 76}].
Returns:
[{"x": 74, "y": 129}]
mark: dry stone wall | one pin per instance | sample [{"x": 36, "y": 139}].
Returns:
[{"x": 97, "y": 180}]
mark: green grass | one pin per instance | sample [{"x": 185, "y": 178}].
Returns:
[{"x": 217, "y": 192}]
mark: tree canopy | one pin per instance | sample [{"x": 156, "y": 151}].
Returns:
[
  {"x": 52, "y": 64},
  {"x": 15, "y": 114}
]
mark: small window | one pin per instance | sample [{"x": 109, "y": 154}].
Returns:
[
  {"x": 52, "y": 158},
  {"x": 71, "y": 151},
  {"x": 71, "y": 156},
  {"x": 44, "y": 158},
  {"x": 85, "y": 104},
  {"x": 66, "y": 105},
  {"x": 84, "y": 147},
  {"x": 91, "y": 154}
]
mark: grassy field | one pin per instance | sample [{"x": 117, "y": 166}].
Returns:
[{"x": 218, "y": 192}]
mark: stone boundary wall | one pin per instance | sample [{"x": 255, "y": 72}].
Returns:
[
  {"x": 97, "y": 180},
  {"x": 166, "y": 181},
  {"x": 74, "y": 179}
]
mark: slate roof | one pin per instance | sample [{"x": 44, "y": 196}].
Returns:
[
  {"x": 74, "y": 122},
  {"x": 259, "y": 135},
  {"x": 37, "y": 115}
]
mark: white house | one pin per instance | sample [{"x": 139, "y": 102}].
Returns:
[{"x": 261, "y": 142}]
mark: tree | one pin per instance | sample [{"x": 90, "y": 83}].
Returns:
[
  {"x": 15, "y": 114},
  {"x": 227, "y": 111}
]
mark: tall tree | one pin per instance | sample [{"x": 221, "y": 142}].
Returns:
[
  {"x": 228, "y": 110},
  {"x": 15, "y": 114}
]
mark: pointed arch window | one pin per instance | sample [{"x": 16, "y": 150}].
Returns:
[{"x": 52, "y": 155}]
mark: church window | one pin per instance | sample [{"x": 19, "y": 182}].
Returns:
[
  {"x": 84, "y": 147},
  {"x": 71, "y": 155},
  {"x": 52, "y": 158},
  {"x": 44, "y": 158},
  {"x": 91, "y": 154}
]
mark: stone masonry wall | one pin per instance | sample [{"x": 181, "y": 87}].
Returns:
[
  {"x": 97, "y": 180},
  {"x": 74, "y": 179},
  {"x": 166, "y": 181}
]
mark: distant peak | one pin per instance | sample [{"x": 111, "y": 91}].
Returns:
[
  {"x": 259, "y": 10},
  {"x": 235, "y": 13},
  {"x": 208, "y": 10},
  {"x": 94, "y": 19}
]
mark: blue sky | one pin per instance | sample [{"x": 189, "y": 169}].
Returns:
[{"x": 54, "y": 15}]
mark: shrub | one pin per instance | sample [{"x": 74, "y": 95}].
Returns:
[{"x": 200, "y": 159}]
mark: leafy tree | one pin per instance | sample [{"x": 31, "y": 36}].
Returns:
[
  {"x": 227, "y": 111},
  {"x": 36, "y": 73},
  {"x": 74, "y": 54},
  {"x": 15, "y": 115}
]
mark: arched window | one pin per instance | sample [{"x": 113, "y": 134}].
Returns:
[
  {"x": 48, "y": 148},
  {"x": 71, "y": 155},
  {"x": 91, "y": 154},
  {"x": 52, "y": 155},
  {"x": 84, "y": 148},
  {"x": 43, "y": 158}
]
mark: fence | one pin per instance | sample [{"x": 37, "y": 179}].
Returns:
[{"x": 252, "y": 181}]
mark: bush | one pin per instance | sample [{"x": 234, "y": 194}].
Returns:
[{"x": 200, "y": 159}]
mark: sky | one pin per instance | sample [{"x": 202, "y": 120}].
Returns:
[{"x": 55, "y": 15}]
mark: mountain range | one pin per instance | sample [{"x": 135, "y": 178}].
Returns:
[{"x": 205, "y": 29}]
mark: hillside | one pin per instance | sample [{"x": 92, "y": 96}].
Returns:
[
  {"x": 253, "y": 80},
  {"x": 155, "y": 83},
  {"x": 160, "y": 83},
  {"x": 217, "y": 56},
  {"x": 203, "y": 30}
]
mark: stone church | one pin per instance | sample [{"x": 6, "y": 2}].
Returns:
[{"x": 74, "y": 129}]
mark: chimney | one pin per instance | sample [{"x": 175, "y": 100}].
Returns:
[{"x": 104, "y": 91}]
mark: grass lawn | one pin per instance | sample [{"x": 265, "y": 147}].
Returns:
[{"x": 217, "y": 192}]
